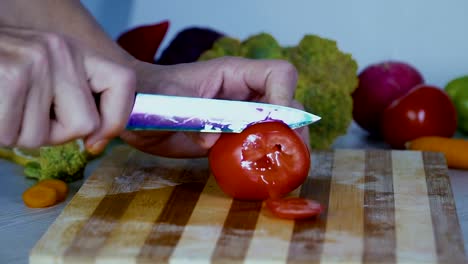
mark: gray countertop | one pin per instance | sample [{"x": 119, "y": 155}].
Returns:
[{"x": 21, "y": 227}]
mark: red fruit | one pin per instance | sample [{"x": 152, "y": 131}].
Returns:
[
  {"x": 379, "y": 85},
  {"x": 424, "y": 111},
  {"x": 294, "y": 207},
  {"x": 268, "y": 159},
  {"x": 143, "y": 42}
]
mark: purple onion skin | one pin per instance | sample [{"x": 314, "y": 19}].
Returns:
[{"x": 379, "y": 85}]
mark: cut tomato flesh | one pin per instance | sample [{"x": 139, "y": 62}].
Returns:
[{"x": 294, "y": 207}]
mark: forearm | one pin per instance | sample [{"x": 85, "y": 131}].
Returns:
[{"x": 67, "y": 17}]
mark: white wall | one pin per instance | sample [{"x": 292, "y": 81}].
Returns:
[{"x": 430, "y": 34}]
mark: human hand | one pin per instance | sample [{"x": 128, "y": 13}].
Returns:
[
  {"x": 47, "y": 84},
  {"x": 270, "y": 81}
]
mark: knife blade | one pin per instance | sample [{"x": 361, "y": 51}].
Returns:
[{"x": 178, "y": 113}]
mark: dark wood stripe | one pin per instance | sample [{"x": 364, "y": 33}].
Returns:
[
  {"x": 447, "y": 232},
  {"x": 308, "y": 235},
  {"x": 379, "y": 209},
  {"x": 168, "y": 228},
  {"x": 95, "y": 232},
  {"x": 237, "y": 233}
]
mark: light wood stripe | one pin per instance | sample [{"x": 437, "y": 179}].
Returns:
[
  {"x": 379, "y": 209},
  {"x": 136, "y": 223},
  {"x": 447, "y": 232},
  {"x": 93, "y": 235},
  {"x": 344, "y": 231},
  {"x": 271, "y": 237},
  {"x": 308, "y": 235},
  {"x": 61, "y": 233},
  {"x": 236, "y": 235},
  {"x": 204, "y": 227},
  {"x": 414, "y": 232},
  {"x": 169, "y": 226}
]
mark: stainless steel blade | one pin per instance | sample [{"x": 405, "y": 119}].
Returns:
[{"x": 177, "y": 113}]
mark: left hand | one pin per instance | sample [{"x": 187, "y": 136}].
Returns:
[{"x": 269, "y": 81}]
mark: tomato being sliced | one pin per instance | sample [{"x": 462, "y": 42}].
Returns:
[
  {"x": 267, "y": 159},
  {"x": 294, "y": 207}
]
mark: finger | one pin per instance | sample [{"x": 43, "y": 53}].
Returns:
[
  {"x": 274, "y": 80},
  {"x": 74, "y": 106},
  {"x": 13, "y": 87},
  {"x": 304, "y": 130},
  {"x": 167, "y": 144},
  {"x": 116, "y": 87},
  {"x": 204, "y": 140},
  {"x": 35, "y": 126}
]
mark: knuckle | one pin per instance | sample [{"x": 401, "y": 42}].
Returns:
[
  {"x": 286, "y": 67},
  {"x": 54, "y": 41},
  {"x": 127, "y": 79},
  {"x": 83, "y": 127},
  {"x": 38, "y": 53},
  {"x": 230, "y": 59},
  {"x": 13, "y": 81}
]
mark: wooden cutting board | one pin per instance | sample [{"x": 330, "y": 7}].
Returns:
[{"x": 382, "y": 207}]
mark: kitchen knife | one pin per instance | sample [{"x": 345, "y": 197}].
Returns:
[{"x": 178, "y": 113}]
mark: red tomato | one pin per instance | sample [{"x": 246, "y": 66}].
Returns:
[
  {"x": 268, "y": 159},
  {"x": 294, "y": 207},
  {"x": 424, "y": 111}
]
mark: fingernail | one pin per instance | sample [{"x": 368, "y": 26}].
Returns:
[{"x": 98, "y": 147}]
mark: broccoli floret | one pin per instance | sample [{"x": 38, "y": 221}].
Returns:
[
  {"x": 65, "y": 162},
  {"x": 327, "y": 77},
  {"x": 322, "y": 61},
  {"x": 331, "y": 103},
  {"x": 224, "y": 46},
  {"x": 261, "y": 46}
]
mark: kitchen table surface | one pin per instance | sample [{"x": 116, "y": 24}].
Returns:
[{"x": 21, "y": 228}]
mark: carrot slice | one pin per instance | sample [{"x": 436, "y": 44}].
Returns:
[
  {"x": 39, "y": 196},
  {"x": 60, "y": 186}
]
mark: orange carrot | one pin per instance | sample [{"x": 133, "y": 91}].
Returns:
[
  {"x": 39, "y": 196},
  {"x": 454, "y": 149},
  {"x": 60, "y": 186}
]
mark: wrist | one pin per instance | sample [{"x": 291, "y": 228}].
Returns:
[{"x": 148, "y": 75}]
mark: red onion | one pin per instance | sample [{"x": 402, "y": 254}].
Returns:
[{"x": 379, "y": 85}]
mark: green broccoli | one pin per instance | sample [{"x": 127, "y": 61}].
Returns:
[
  {"x": 261, "y": 46},
  {"x": 65, "y": 162},
  {"x": 224, "y": 46},
  {"x": 327, "y": 77}
]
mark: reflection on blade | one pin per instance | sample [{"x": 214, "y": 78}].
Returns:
[{"x": 175, "y": 113}]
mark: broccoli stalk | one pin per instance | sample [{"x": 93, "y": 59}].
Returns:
[
  {"x": 65, "y": 162},
  {"x": 327, "y": 77}
]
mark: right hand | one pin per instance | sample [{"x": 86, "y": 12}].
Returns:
[{"x": 47, "y": 83}]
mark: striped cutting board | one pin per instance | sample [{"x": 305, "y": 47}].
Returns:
[{"x": 382, "y": 207}]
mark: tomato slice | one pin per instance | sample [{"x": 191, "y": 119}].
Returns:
[
  {"x": 266, "y": 161},
  {"x": 294, "y": 207}
]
